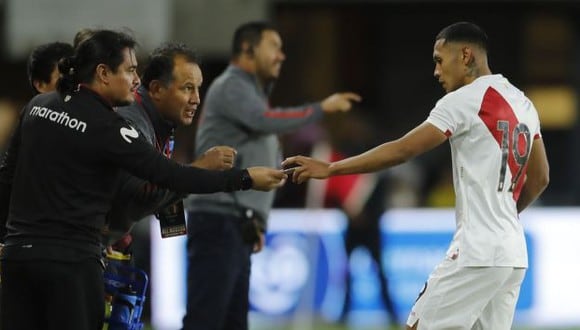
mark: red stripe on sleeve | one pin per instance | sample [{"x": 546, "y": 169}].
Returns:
[{"x": 288, "y": 114}]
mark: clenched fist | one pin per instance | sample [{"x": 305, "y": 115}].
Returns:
[{"x": 216, "y": 158}]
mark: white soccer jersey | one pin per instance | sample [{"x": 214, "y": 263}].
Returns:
[{"x": 491, "y": 126}]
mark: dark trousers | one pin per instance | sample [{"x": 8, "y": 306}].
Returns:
[
  {"x": 218, "y": 275},
  {"x": 51, "y": 295},
  {"x": 369, "y": 236}
]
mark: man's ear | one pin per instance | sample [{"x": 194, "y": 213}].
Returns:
[
  {"x": 39, "y": 85},
  {"x": 467, "y": 55},
  {"x": 103, "y": 73},
  {"x": 247, "y": 49},
  {"x": 156, "y": 89}
]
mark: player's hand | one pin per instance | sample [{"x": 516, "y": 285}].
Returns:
[
  {"x": 258, "y": 246},
  {"x": 306, "y": 168},
  {"x": 265, "y": 178},
  {"x": 216, "y": 158},
  {"x": 339, "y": 102}
]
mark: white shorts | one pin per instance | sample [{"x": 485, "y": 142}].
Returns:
[{"x": 468, "y": 298}]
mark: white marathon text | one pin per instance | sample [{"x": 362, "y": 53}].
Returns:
[{"x": 61, "y": 118}]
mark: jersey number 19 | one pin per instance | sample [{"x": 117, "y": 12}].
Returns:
[{"x": 515, "y": 151}]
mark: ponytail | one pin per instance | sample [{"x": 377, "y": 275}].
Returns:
[{"x": 68, "y": 82}]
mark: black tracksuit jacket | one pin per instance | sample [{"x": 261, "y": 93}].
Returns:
[
  {"x": 60, "y": 171},
  {"x": 136, "y": 198}
]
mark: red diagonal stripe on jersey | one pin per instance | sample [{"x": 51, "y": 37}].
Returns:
[{"x": 493, "y": 109}]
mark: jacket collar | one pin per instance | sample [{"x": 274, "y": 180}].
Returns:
[
  {"x": 84, "y": 89},
  {"x": 163, "y": 128}
]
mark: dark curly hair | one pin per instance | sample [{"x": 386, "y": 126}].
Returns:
[{"x": 161, "y": 62}]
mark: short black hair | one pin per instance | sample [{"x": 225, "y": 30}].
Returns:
[
  {"x": 251, "y": 33},
  {"x": 102, "y": 47},
  {"x": 43, "y": 60},
  {"x": 162, "y": 60},
  {"x": 464, "y": 32}
]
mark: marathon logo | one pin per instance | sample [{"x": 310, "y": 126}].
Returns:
[{"x": 61, "y": 118}]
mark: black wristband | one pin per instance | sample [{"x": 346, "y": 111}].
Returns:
[{"x": 246, "y": 180}]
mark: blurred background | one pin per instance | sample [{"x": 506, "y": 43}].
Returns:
[{"x": 381, "y": 49}]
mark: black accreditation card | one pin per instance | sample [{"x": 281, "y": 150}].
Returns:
[{"x": 172, "y": 220}]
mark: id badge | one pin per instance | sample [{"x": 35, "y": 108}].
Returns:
[{"x": 172, "y": 220}]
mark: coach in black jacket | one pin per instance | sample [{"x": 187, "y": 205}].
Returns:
[
  {"x": 57, "y": 181},
  {"x": 168, "y": 97}
]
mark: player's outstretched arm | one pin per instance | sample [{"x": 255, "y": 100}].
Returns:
[
  {"x": 419, "y": 140},
  {"x": 216, "y": 158},
  {"x": 537, "y": 175}
]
